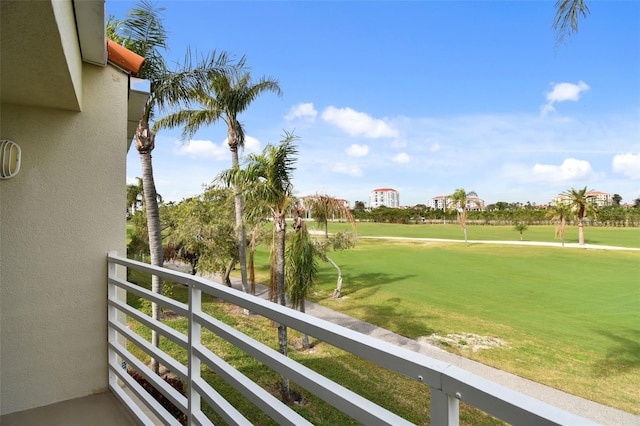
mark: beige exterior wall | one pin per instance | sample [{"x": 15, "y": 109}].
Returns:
[{"x": 58, "y": 219}]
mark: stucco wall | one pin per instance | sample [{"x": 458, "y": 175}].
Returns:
[{"x": 58, "y": 219}]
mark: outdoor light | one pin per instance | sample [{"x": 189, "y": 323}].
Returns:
[{"x": 9, "y": 159}]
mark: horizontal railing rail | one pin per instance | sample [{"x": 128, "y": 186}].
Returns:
[{"x": 448, "y": 384}]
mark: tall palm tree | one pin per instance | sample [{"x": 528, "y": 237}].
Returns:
[
  {"x": 567, "y": 15},
  {"x": 559, "y": 212},
  {"x": 582, "y": 204},
  {"x": 266, "y": 181},
  {"x": 459, "y": 201},
  {"x": 143, "y": 32},
  {"x": 224, "y": 97}
]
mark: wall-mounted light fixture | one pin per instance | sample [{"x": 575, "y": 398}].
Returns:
[{"x": 9, "y": 159}]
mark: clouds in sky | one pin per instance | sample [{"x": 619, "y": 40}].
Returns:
[
  {"x": 570, "y": 170},
  {"x": 401, "y": 158},
  {"x": 357, "y": 123},
  {"x": 210, "y": 150},
  {"x": 562, "y": 92},
  {"x": 513, "y": 157},
  {"x": 304, "y": 111},
  {"x": 627, "y": 164},
  {"x": 356, "y": 150}
]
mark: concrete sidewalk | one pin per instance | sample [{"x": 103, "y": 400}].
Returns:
[{"x": 591, "y": 410}]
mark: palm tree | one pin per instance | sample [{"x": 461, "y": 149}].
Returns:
[
  {"x": 521, "y": 227},
  {"x": 559, "y": 212},
  {"x": 567, "y": 14},
  {"x": 143, "y": 32},
  {"x": 225, "y": 96},
  {"x": 459, "y": 200},
  {"x": 301, "y": 268},
  {"x": 266, "y": 181},
  {"x": 581, "y": 203},
  {"x": 323, "y": 207}
]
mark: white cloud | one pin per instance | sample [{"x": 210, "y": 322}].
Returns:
[
  {"x": 358, "y": 123},
  {"x": 202, "y": 149},
  {"x": 208, "y": 149},
  {"x": 570, "y": 170},
  {"x": 562, "y": 92},
  {"x": 627, "y": 164},
  {"x": 347, "y": 169},
  {"x": 356, "y": 150},
  {"x": 401, "y": 158},
  {"x": 304, "y": 111},
  {"x": 251, "y": 145},
  {"x": 435, "y": 147}
]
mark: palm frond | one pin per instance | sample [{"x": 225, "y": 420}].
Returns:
[{"x": 568, "y": 14}]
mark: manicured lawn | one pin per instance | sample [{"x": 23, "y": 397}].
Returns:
[
  {"x": 624, "y": 237},
  {"x": 571, "y": 317}
]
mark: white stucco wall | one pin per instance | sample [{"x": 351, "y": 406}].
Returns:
[{"x": 58, "y": 219}]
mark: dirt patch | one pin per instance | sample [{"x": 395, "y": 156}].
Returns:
[{"x": 468, "y": 341}]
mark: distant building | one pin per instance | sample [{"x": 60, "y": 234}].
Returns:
[
  {"x": 600, "y": 199},
  {"x": 443, "y": 201},
  {"x": 387, "y": 197}
]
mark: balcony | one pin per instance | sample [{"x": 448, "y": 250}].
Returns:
[{"x": 447, "y": 384}]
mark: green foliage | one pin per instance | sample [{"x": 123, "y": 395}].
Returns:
[
  {"x": 521, "y": 227},
  {"x": 201, "y": 231},
  {"x": 138, "y": 245},
  {"x": 301, "y": 267}
]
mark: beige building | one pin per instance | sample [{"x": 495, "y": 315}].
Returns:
[
  {"x": 442, "y": 202},
  {"x": 67, "y": 108},
  {"x": 600, "y": 199}
]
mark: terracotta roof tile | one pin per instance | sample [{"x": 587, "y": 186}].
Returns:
[{"x": 124, "y": 58}]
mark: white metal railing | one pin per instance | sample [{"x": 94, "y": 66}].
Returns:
[{"x": 448, "y": 384}]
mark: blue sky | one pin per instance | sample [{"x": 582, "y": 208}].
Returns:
[{"x": 421, "y": 96}]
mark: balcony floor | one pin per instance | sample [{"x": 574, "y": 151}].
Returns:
[{"x": 103, "y": 409}]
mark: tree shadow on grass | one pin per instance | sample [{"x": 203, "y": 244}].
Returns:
[
  {"x": 390, "y": 314},
  {"x": 622, "y": 356}
]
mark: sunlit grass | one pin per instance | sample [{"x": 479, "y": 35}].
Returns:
[{"x": 624, "y": 237}]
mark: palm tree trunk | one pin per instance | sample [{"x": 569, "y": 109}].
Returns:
[
  {"x": 239, "y": 207},
  {"x": 252, "y": 252},
  {"x": 281, "y": 234},
  {"x": 155, "y": 239},
  {"x": 580, "y": 232}
]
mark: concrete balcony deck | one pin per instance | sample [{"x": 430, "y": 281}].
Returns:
[{"x": 103, "y": 409}]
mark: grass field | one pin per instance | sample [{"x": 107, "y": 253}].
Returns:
[
  {"x": 623, "y": 237},
  {"x": 570, "y": 317}
]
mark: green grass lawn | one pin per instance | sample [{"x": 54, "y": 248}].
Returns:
[
  {"x": 624, "y": 237},
  {"x": 571, "y": 317}
]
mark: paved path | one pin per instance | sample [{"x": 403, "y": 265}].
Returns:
[{"x": 517, "y": 243}]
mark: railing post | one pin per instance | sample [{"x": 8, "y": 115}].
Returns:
[
  {"x": 195, "y": 299},
  {"x": 445, "y": 409},
  {"x": 111, "y": 316}
]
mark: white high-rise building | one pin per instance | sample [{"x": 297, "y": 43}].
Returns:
[{"x": 387, "y": 197}]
